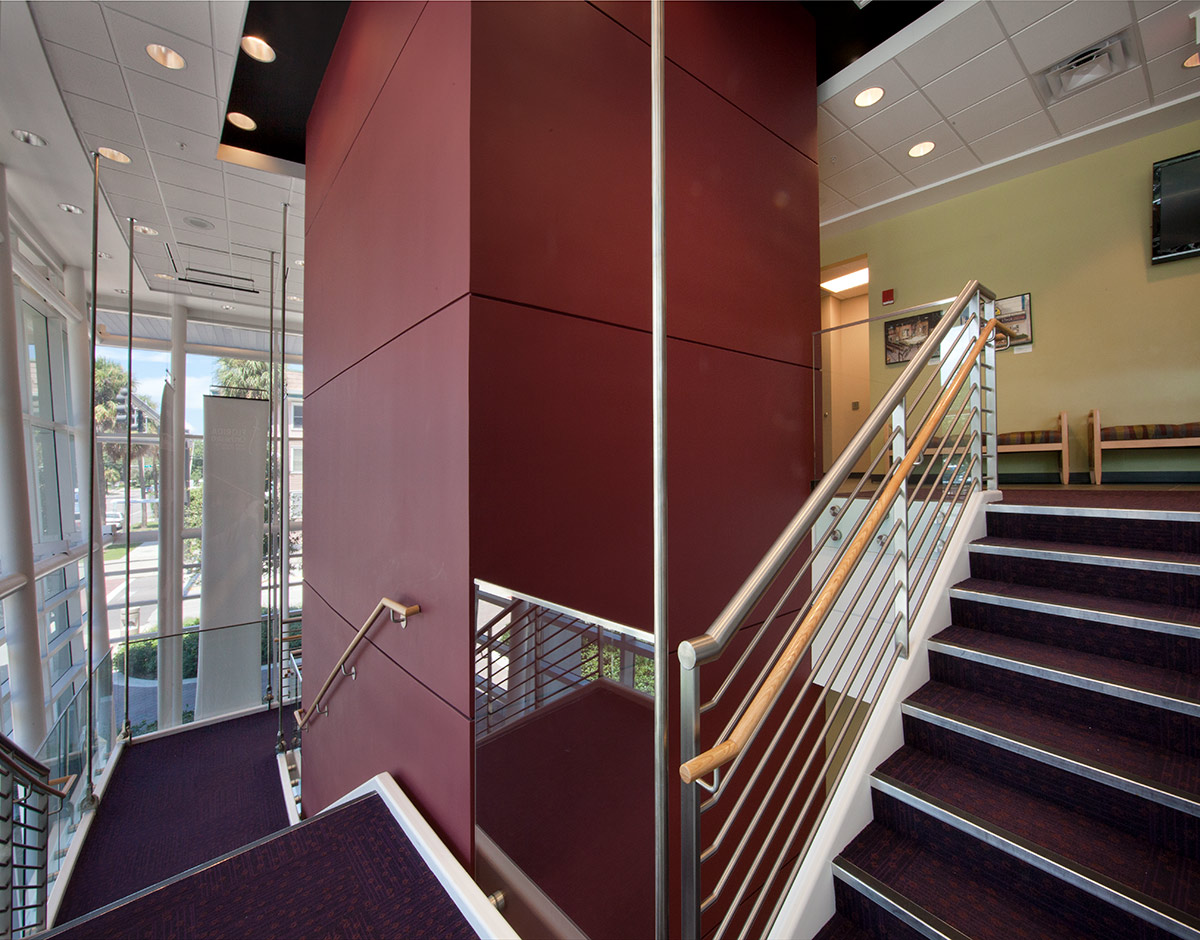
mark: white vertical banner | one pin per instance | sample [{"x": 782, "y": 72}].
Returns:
[
  {"x": 170, "y": 620},
  {"x": 231, "y": 555}
]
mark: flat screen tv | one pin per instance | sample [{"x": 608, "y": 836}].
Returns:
[{"x": 1176, "y": 208}]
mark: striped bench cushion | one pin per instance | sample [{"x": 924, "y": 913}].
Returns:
[
  {"x": 1029, "y": 437},
  {"x": 1145, "y": 432}
]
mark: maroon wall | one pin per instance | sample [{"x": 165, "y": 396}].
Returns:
[{"x": 478, "y": 345}]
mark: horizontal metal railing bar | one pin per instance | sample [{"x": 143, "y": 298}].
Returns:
[
  {"x": 486, "y": 628},
  {"x": 385, "y": 603},
  {"x": 713, "y": 642},
  {"x": 728, "y": 748},
  {"x": 577, "y": 614}
]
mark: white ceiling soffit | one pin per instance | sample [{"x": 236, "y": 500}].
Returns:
[
  {"x": 95, "y": 86},
  {"x": 967, "y": 76}
]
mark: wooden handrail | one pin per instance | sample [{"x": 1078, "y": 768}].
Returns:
[
  {"x": 725, "y": 751},
  {"x": 385, "y": 603}
]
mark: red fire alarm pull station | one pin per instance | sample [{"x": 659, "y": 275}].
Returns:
[{"x": 889, "y": 296}]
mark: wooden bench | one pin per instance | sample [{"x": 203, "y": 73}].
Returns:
[
  {"x": 1055, "y": 439},
  {"x": 1126, "y": 436}
]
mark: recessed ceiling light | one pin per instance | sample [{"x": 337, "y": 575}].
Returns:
[
  {"x": 105, "y": 255},
  {"x": 29, "y": 137},
  {"x": 121, "y": 290},
  {"x": 71, "y": 208},
  {"x": 924, "y": 147},
  {"x": 226, "y": 306},
  {"x": 258, "y": 49},
  {"x": 203, "y": 224},
  {"x": 145, "y": 230},
  {"x": 868, "y": 97},
  {"x": 237, "y": 119},
  {"x": 846, "y": 281},
  {"x": 1191, "y": 62},
  {"x": 116, "y": 156},
  {"x": 299, "y": 262},
  {"x": 166, "y": 277},
  {"x": 165, "y": 56},
  {"x": 295, "y": 298}
]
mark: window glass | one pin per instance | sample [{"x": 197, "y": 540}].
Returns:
[
  {"x": 298, "y": 415},
  {"x": 57, "y": 623},
  {"x": 45, "y": 491},
  {"x": 60, "y": 663},
  {"x": 37, "y": 344}
]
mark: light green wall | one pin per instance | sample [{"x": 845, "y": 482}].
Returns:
[{"x": 1110, "y": 331}]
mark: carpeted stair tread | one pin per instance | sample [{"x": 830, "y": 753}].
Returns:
[
  {"x": 1164, "y": 682},
  {"x": 1120, "y": 607},
  {"x": 950, "y": 889},
  {"x": 1096, "y": 746},
  {"x": 1107, "y": 553},
  {"x": 841, "y": 928},
  {"x": 1157, "y": 500},
  {"x": 1155, "y": 871}
]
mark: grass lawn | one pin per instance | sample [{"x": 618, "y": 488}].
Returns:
[{"x": 112, "y": 554}]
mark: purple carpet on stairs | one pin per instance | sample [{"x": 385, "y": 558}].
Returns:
[
  {"x": 1107, "y": 498},
  {"x": 351, "y": 872},
  {"x": 175, "y": 802}
]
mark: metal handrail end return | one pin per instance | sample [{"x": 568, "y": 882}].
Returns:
[{"x": 399, "y": 613}]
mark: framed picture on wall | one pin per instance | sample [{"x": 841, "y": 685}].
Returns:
[
  {"x": 904, "y": 335},
  {"x": 1017, "y": 314}
]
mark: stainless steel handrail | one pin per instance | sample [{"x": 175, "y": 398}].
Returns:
[
  {"x": 713, "y": 642},
  {"x": 303, "y": 717}
]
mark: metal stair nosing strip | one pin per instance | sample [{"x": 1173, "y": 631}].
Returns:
[
  {"x": 1151, "y": 910},
  {"x": 1102, "y": 512},
  {"x": 1156, "y": 792},
  {"x": 1079, "y": 555},
  {"x": 1094, "y": 614},
  {"x": 903, "y": 909},
  {"x": 1062, "y": 677}
]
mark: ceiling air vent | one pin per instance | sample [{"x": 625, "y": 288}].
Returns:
[{"x": 1085, "y": 68}]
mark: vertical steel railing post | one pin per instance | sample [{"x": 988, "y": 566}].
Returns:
[
  {"x": 989, "y": 401},
  {"x": 689, "y": 747},
  {"x": 976, "y": 382}
]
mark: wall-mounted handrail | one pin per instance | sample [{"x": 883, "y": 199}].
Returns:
[
  {"x": 400, "y": 614},
  {"x": 710, "y": 644},
  {"x": 755, "y": 713}
]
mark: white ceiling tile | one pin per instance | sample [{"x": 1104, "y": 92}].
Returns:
[
  {"x": 1167, "y": 30},
  {"x": 148, "y": 213},
  {"x": 841, "y": 153},
  {"x": 898, "y": 122},
  {"x": 138, "y": 165},
  {"x": 83, "y": 74},
  {"x": 253, "y": 266},
  {"x": 297, "y": 184},
  {"x": 193, "y": 201},
  {"x": 828, "y": 126},
  {"x": 183, "y": 230},
  {"x": 1169, "y": 78},
  {"x": 228, "y": 17},
  {"x": 78, "y": 25},
  {"x": 967, "y": 35},
  {"x": 973, "y": 81},
  {"x": 942, "y": 135},
  {"x": 150, "y": 246},
  {"x": 116, "y": 183},
  {"x": 131, "y": 36},
  {"x": 1015, "y": 15},
  {"x": 188, "y": 18},
  {"x": 835, "y": 208},
  {"x": 172, "y": 103},
  {"x": 224, "y": 68},
  {"x": 1024, "y": 135},
  {"x": 1068, "y": 30},
  {"x": 254, "y": 192},
  {"x": 263, "y": 217},
  {"x": 252, "y": 235},
  {"x": 165, "y": 138},
  {"x": 890, "y": 189},
  {"x": 889, "y": 77},
  {"x": 189, "y": 175},
  {"x": 1146, "y": 7},
  {"x": 926, "y": 172},
  {"x": 857, "y": 179},
  {"x": 198, "y": 248},
  {"x": 1006, "y": 107},
  {"x": 96, "y": 117},
  {"x": 1100, "y": 100}
]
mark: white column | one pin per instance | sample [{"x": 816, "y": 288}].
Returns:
[
  {"x": 79, "y": 355},
  {"x": 27, "y": 693}
]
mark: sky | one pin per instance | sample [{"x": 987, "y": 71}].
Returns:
[{"x": 150, "y": 368}]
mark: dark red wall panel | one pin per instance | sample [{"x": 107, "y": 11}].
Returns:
[
  {"x": 561, "y": 463},
  {"x": 386, "y": 511},
  {"x": 389, "y": 244},
  {"x": 367, "y": 47},
  {"x": 560, "y": 187},
  {"x": 384, "y": 721}
]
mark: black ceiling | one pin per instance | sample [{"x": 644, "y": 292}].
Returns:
[
  {"x": 845, "y": 32},
  {"x": 279, "y": 95}
]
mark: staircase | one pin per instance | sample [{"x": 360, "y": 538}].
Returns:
[{"x": 1049, "y": 784}]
